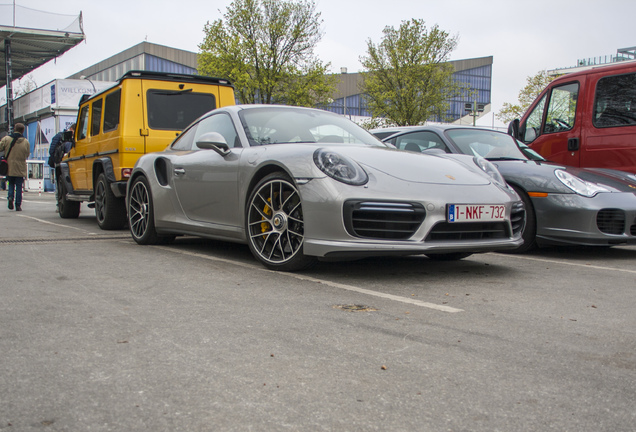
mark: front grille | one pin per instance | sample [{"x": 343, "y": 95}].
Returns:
[
  {"x": 518, "y": 217},
  {"x": 632, "y": 229},
  {"x": 445, "y": 231},
  {"x": 383, "y": 220},
  {"x": 611, "y": 221}
]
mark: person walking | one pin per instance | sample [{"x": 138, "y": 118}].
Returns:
[{"x": 17, "y": 147}]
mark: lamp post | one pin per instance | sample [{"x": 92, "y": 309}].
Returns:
[{"x": 84, "y": 77}]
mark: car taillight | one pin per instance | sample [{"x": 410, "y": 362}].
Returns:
[{"x": 125, "y": 172}]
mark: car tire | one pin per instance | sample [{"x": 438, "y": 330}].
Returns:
[
  {"x": 141, "y": 214},
  {"x": 452, "y": 256},
  {"x": 274, "y": 224},
  {"x": 109, "y": 210},
  {"x": 529, "y": 231},
  {"x": 68, "y": 209}
]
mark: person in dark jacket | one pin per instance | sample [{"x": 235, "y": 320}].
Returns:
[
  {"x": 17, "y": 160},
  {"x": 58, "y": 139}
]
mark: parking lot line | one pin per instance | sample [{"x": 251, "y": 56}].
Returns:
[
  {"x": 552, "y": 261},
  {"x": 58, "y": 225},
  {"x": 359, "y": 290}
]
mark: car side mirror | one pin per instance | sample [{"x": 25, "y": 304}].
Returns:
[{"x": 213, "y": 141}]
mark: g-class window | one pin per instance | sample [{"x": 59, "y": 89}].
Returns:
[
  {"x": 174, "y": 110},
  {"x": 96, "y": 117},
  {"x": 615, "y": 101},
  {"x": 82, "y": 127},
  {"x": 111, "y": 111}
]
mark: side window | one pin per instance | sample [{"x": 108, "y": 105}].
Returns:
[
  {"x": 562, "y": 108},
  {"x": 221, "y": 123},
  {"x": 420, "y": 141},
  {"x": 96, "y": 117},
  {"x": 82, "y": 127},
  {"x": 185, "y": 140},
  {"x": 533, "y": 123},
  {"x": 111, "y": 111},
  {"x": 615, "y": 101}
]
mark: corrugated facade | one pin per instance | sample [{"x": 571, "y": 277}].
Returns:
[{"x": 475, "y": 73}]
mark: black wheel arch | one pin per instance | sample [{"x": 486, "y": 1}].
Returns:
[{"x": 260, "y": 174}]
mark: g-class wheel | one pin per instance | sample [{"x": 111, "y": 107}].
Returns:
[
  {"x": 68, "y": 209},
  {"x": 109, "y": 210}
]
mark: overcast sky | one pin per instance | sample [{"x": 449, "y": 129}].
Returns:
[{"x": 522, "y": 36}]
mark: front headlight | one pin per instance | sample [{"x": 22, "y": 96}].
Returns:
[
  {"x": 340, "y": 167},
  {"x": 491, "y": 170},
  {"x": 578, "y": 185}
]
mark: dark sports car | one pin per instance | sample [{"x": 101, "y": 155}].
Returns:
[
  {"x": 297, "y": 184},
  {"x": 565, "y": 205}
]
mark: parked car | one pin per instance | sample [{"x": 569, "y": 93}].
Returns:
[
  {"x": 297, "y": 184},
  {"x": 141, "y": 113},
  {"x": 564, "y": 205},
  {"x": 585, "y": 119}
]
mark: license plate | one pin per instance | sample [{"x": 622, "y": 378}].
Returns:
[{"x": 476, "y": 212}]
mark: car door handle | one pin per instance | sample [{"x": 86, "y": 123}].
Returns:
[{"x": 179, "y": 171}]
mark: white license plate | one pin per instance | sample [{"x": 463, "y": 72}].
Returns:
[{"x": 476, "y": 212}]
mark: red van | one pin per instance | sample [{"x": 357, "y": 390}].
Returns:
[{"x": 585, "y": 119}]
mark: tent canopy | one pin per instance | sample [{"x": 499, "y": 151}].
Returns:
[{"x": 36, "y": 37}]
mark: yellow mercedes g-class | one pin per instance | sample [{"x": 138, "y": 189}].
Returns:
[{"x": 143, "y": 112}]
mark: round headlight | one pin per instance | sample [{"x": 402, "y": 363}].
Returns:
[
  {"x": 491, "y": 170},
  {"x": 580, "y": 186},
  {"x": 340, "y": 167}
]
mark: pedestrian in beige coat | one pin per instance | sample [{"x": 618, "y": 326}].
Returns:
[{"x": 17, "y": 160}]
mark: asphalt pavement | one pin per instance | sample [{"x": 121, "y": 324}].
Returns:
[{"x": 98, "y": 333}]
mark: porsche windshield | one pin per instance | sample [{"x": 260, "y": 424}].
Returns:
[
  {"x": 296, "y": 125},
  {"x": 488, "y": 144}
]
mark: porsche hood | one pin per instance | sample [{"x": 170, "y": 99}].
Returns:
[{"x": 418, "y": 167}]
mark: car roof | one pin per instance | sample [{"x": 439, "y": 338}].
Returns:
[{"x": 439, "y": 128}]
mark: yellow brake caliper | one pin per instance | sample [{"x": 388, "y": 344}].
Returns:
[{"x": 268, "y": 211}]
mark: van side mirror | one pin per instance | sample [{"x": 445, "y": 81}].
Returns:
[
  {"x": 513, "y": 129},
  {"x": 214, "y": 141}
]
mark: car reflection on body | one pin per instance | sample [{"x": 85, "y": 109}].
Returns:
[
  {"x": 298, "y": 184},
  {"x": 564, "y": 205}
]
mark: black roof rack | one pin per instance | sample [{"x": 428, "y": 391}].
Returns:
[
  {"x": 168, "y": 76},
  {"x": 163, "y": 76}
]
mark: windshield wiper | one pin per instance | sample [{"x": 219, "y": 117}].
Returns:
[{"x": 505, "y": 158}]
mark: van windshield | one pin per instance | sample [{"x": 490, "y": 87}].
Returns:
[{"x": 175, "y": 110}]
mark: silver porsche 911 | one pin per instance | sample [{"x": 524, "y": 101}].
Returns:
[{"x": 298, "y": 184}]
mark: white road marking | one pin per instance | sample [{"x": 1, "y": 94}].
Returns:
[
  {"x": 551, "y": 261},
  {"x": 392, "y": 297},
  {"x": 55, "y": 224}
]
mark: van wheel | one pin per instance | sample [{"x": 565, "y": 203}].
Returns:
[
  {"x": 110, "y": 210},
  {"x": 68, "y": 209}
]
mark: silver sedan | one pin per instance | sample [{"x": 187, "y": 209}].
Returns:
[{"x": 298, "y": 184}]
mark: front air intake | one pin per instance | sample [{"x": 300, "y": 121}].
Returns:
[
  {"x": 611, "y": 221},
  {"x": 383, "y": 220}
]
